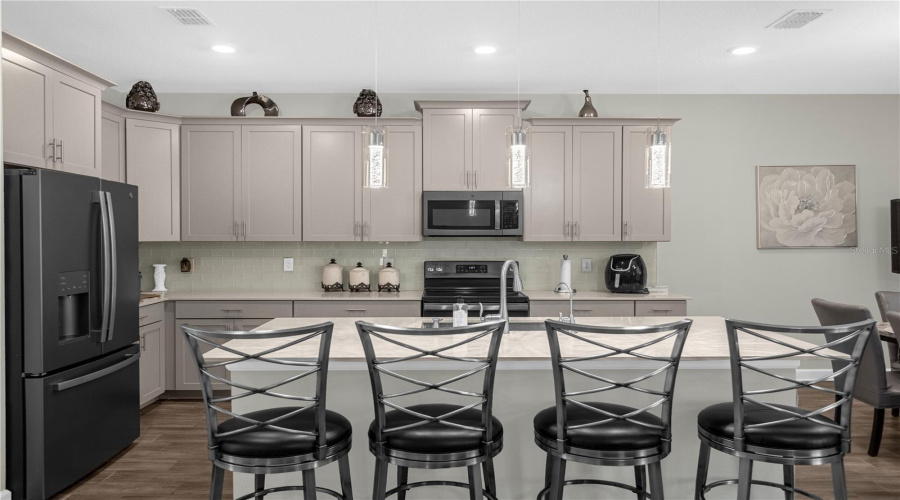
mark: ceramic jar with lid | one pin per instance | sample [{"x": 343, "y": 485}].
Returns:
[
  {"x": 333, "y": 277},
  {"x": 389, "y": 279},
  {"x": 359, "y": 279}
]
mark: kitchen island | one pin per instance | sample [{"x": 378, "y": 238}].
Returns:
[{"x": 523, "y": 387}]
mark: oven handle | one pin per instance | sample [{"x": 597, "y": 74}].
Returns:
[
  {"x": 487, "y": 307},
  {"x": 75, "y": 382}
]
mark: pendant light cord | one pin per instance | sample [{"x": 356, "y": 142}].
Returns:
[
  {"x": 519, "y": 61},
  {"x": 658, "y": 61},
  {"x": 377, "y": 98}
]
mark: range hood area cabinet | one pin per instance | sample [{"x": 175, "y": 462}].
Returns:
[
  {"x": 464, "y": 143},
  {"x": 335, "y": 205},
  {"x": 240, "y": 182},
  {"x": 51, "y": 110},
  {"x": 587, "y": 182}
]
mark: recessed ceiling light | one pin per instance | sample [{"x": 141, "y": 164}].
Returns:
[
  {"x": 742, "y": 51},
  {"x": 225, "y": 49},
  {"x": 487, "y": 49}
]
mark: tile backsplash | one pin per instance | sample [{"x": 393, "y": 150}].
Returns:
[{"x": 257, "y": 266}]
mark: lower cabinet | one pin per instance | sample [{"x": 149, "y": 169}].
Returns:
[
  {"x": 660, "y": 308},
  {"x": 553, "y": 308},
  {"x": 152, "y": 335},
  {"x": 356, "y": 308}
]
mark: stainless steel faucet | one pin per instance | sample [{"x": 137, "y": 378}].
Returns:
[
  {"x": 517, "y": 287},
  {"x": 571, "y": 318}
]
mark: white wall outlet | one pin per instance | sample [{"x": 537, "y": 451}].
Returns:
[
  {"x": 586, "y": 265},
  {"x": 288, "y": 263}
]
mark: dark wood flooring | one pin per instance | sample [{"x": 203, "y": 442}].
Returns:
[{"x": 170, "y": 461}]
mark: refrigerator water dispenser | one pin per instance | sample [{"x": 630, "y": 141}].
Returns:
[{"x": 74, "y": 305}]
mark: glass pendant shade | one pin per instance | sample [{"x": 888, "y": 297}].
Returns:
[
  {"x": 518, "y": 156},
  {"x": 659, "y": 161},
  {"x": 375, "y": 157}
]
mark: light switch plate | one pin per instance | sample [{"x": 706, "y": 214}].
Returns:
[
  {"x": 586, "y": 265},
  {"x": 288, "y": 263}
]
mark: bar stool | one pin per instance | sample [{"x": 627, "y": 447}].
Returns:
[
  {"x": 299, "y": 434},
  {"x": 433, "y": 435},
  {"x": 755, "y": 430},
  {"x": 607, "y": 434}
]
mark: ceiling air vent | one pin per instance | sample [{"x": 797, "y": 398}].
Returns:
[
  {"x": 189, "y": 17},
  {"x": 796, "y": 19}
]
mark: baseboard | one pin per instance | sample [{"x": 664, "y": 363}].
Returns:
[
  {"x": 813, "y": 374},
  {"x": 5, "y": 495}
]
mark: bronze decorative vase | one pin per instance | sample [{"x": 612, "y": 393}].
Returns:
[
  {"x": 367, "y": 104},
  {"x": 141, "y": 97},
  {"x": 588, "y": 110}
]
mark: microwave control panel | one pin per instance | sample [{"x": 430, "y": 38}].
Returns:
[{"x": 509, "y": 214}]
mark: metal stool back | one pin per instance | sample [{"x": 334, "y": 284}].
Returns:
[
  {"x": 396, "y": 347},
  {"x": 586, "y": 345},
  {"x": 843, "y": 346},
  {"x": 321, "y": 452}
]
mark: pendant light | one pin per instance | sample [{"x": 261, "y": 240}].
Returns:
[
  {"x": 518, "y": 154},
  {"x": 375, "y": 138},
  {"x": 659, "y": 150}
]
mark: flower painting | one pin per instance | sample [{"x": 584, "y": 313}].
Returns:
[{"x": 803, "y": 207}]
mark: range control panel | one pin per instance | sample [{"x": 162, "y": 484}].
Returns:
[
  {"x": 462, "y": 269},
  {"x": 471, "y": 269}
]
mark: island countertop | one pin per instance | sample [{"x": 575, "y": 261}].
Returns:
[{"x": 707, "y": 340}]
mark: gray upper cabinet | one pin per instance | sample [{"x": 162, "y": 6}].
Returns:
[
  {"x": 51, "y": 111},
  {"x": 464, "y": 144},
  {"x": 112, "y": 142},
  {"x": 646, "y": 213},
  {"x": 596, "y": 183},
  {"x": 332, "y": 183},
  {"x": 395, "y": 213},
  {"x": 27, "y": 112},
  {"x": 548, "y": 207},
  {"x": 271, "y": 183},
  {"x": 447, "y": 149},
  {"x": 153, "y": 165},
  {"x": 211, "y": 183}
]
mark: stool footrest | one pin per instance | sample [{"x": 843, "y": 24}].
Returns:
[
  {"x": 770, "y": 484},
  {"x": 544, "y": 493},
  {"x": 265, "y": 492},
  {"x": 419, "y": 484}
]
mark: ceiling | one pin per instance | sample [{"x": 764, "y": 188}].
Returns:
[{"x": 427, "y": 47}]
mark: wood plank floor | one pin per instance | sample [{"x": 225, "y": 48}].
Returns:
[{"x": 169, "y": 460}]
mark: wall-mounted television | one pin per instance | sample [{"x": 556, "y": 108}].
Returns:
[{"x": 895, "y": 236}]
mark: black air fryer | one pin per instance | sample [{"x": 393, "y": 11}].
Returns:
[{"x": 626, "y": 273}]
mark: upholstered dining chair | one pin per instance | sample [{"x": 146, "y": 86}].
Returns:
[
  {"x": 426, "y": 424},
  {"x": 874, "y": 385},
  {"x": 890, "y": 301},
  {"x": 295, "y": 434}
]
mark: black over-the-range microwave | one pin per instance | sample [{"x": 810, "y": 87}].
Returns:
[{"x": 472, "y": 213}]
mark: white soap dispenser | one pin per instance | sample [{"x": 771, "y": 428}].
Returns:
[{"x": 460, "y": 313}]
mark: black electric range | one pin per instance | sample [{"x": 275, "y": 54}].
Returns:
[{"x": 446, "y": 282}]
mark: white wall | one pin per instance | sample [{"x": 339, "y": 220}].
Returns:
[{"x": 716, "y": 147}]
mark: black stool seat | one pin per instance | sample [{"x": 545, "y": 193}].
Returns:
[
  {"x": 267, "y": 442},
  {"x": 435, "y": 437},
  {"x": 615, "y": 435},
  {"x": 718, "y": 420}
]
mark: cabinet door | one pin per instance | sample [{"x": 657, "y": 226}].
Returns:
[
  {"x": 76, "y": 125},
  {"x": 489, "y": 167},
  {"x": 153, "y": 165},
  {"x": 27, "y": 112},
  {"x": 270, "y": 181},
  {"x": 597, "y": 183},
  {"x": 332, "y": 183},
  {"x": 210, "y": 182},
  {"x": 646, "y": 213},
  {"x": 187, "y": 377},
  {"x": 112, "y": 141},
  {"x": 447, "y": 149},
  {"x": 153, "y": 372},
  {"x": 395, "y": 213},
  {"x": 548, "y": 204},
  {"x": 245, "y": 324}
]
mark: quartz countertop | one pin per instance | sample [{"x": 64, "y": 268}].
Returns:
[{"x": 707, "y": 340}]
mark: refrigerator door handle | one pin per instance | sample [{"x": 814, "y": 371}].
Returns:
[
  {"x": 104, "y": 242},
  {"x": 84, "y": 379},
  {"x": 114, "y": 268}
]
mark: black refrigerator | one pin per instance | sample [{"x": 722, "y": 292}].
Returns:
[{"x": 72, "y": 294}]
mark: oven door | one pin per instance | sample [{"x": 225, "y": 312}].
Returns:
[{"x": 461, "y": 213}]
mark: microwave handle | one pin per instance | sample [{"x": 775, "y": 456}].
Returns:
[{"x": 497, "y": 222}]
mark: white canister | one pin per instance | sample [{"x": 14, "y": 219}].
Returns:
[
  {"x": 333, "y": 277},
  {"x": 159, "y": 278},
  {"x": 389, "y": 279},
  {"x": 359, "y": 278}
]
